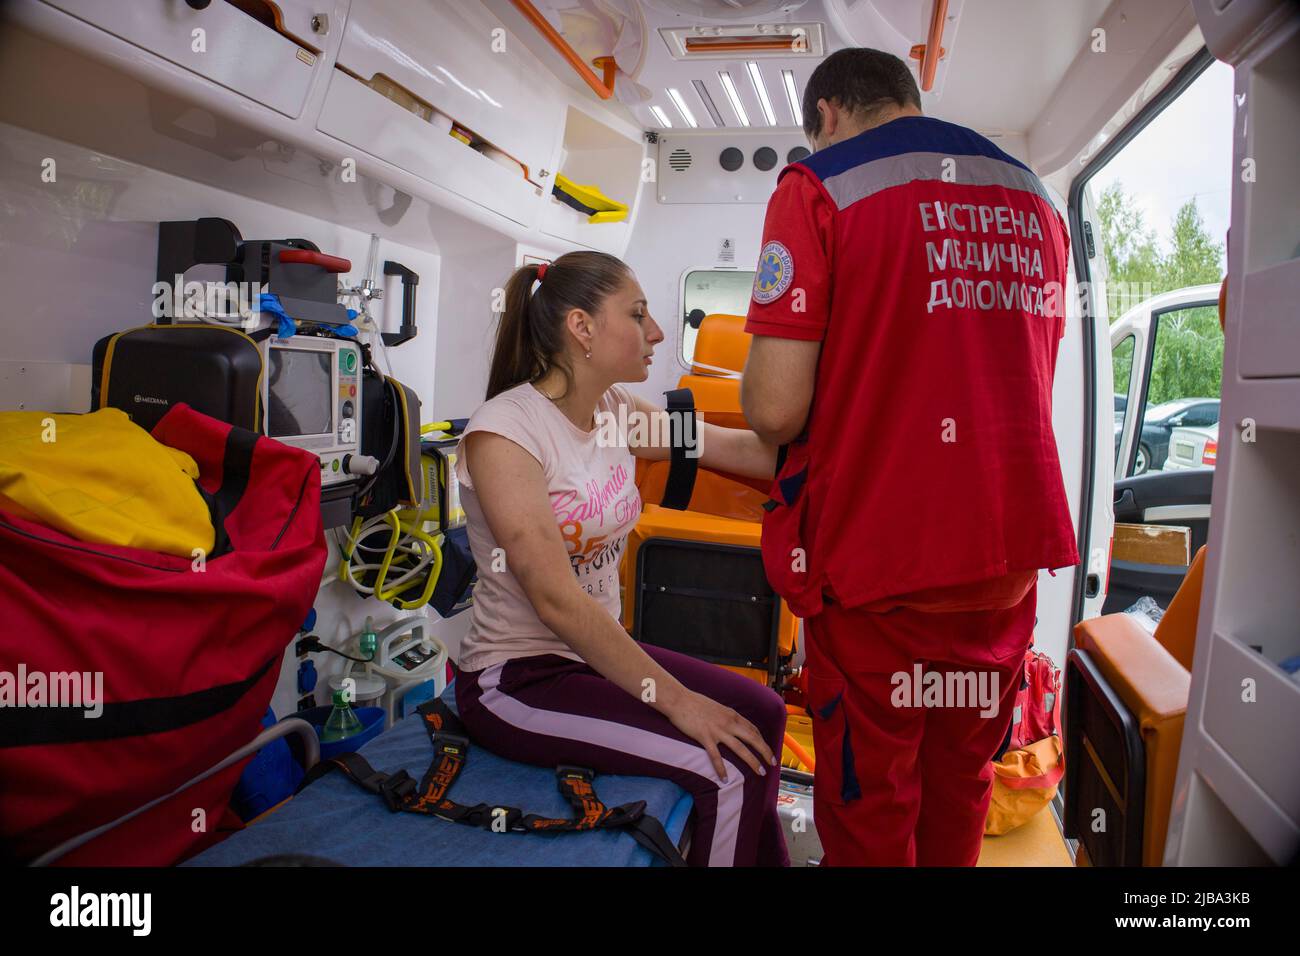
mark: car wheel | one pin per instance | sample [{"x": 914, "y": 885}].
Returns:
[{"x": 1143, "y": 461}]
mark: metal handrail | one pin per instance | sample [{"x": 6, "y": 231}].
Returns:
[
  {"x": 604, "y": 89},
  {"x": 290, "y": 725}
]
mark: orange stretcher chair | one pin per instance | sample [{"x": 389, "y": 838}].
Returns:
[
  {"x": 1125, "y": 699},
  {"x": 1125, "y": 703},
  {"x": 693, "y": 579}
]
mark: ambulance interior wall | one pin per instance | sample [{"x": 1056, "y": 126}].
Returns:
[{"x": 79, "y": 261}]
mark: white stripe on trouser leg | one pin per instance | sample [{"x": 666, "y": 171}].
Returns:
[{"x": 631, "y": 740}]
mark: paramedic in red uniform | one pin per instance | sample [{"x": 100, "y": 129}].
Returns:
[{"x": 907, "y": 311}]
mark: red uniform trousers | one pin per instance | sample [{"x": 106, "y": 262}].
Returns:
[{"x": 898, "y": 784}]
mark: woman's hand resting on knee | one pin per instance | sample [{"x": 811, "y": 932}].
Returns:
[{"x": 710, "y": 724}]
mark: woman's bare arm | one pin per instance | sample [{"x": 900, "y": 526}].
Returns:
[{"x": 736, "y": 450}]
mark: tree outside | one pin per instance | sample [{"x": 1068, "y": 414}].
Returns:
[{"x": 1188, "y": 360}]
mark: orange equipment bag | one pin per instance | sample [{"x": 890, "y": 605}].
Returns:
[{"x": 1028, "y": 770}]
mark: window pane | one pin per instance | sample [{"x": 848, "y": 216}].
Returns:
[
  {"x": 1183, "y": 397},
  {"x": 725, "y": 291}
]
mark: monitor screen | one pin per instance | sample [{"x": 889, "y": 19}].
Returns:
[{"x": 301, "y": 395}]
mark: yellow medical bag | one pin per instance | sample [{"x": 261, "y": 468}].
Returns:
[{"x": 102, "y": 479}]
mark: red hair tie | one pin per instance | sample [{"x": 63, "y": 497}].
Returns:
[{"x": 541, "y": 272}]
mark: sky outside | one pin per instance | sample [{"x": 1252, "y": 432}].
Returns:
[{"x": 1186, "y": 151}]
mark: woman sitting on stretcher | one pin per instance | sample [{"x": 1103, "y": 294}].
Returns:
[{"x": 548, "y": 675}]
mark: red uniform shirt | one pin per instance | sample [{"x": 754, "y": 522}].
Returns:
[{"x": 931, "y": 266}]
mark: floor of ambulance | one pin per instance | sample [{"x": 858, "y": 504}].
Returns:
[{"x": 1037, "y": 843}]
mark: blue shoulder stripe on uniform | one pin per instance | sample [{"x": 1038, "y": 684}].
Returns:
[
  {"x": 908, "y": 134},
  {"x": 916, "y": 149}
]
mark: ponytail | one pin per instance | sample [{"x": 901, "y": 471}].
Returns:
[
  {"x": 531, "y": 337},
  {"x": 516, "y": 357}
]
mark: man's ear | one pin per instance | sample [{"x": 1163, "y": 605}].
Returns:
[{"x": 830, "y": 118}]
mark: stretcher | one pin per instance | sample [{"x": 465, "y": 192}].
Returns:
[{"x": 335, "y": 820}]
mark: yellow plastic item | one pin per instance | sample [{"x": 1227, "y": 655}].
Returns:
[
  {"x": 440, "y": 481},
  {"x": 102, "y": 479},
  {"x": 412, "y": 556},
  {"x": 405, "y": 570},
  {"x": 798, "y": 731},
  {"x": 607, "y": 210},
  {"x": 1024, "y": 781}
]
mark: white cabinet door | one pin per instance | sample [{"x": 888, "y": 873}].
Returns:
[{"x": 219, "y": 42}]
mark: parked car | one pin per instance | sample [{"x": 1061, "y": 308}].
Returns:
[
  {"x": 1192, "y": 447},
  {"x": 1159, "y": 421}
]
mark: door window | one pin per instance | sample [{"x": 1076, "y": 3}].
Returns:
[
  {"x": 710, "y": 291},
  {"x": 1182, "y": 391}
]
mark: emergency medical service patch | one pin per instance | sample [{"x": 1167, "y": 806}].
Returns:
[{"x": 775, "y": 273}]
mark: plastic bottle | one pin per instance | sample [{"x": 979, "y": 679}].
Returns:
[{"x": 342, "y": 722}]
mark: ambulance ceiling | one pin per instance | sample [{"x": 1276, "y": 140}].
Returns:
[{"x": 1004, "y": 59}]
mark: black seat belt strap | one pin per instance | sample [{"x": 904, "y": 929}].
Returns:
[{"x": 683, "y": 467}]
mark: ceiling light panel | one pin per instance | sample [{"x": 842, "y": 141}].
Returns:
[
  {"x": 733, "y": 96},
  {"x": 680, "y": 103},
  {"x": 760, "y": 90},
  {"x": 792, "y": 96}
]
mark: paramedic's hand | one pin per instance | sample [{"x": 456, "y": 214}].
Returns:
[{"x": 710, "y": 724}]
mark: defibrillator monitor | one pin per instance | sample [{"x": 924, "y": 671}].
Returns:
[{"x": 311, "y": 391}]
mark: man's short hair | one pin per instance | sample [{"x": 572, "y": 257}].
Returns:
[{"x": 860, "y": 80}]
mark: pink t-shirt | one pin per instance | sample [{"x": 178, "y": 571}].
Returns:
[{"x": 594, "y": 496}]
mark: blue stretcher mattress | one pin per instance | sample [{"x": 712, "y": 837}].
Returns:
[{"x": 336, "y": 820}]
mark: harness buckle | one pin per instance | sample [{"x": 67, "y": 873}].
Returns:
[
  {"x": 585, "y": 774},
  {"x": 397, "y": 789},
  {"x": 456, "y": 743}
]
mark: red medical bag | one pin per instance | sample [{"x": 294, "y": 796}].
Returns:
[
  {"x": 189, "y": 652},
  {"x": 1038, "y": 703}
]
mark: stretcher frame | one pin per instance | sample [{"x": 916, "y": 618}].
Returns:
[{"x": 284, "y": 728}]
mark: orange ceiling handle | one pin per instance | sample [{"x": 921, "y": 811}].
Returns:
[
  {"x": 602, "y": 88},
  {"x": 932, "y": 50},
  {"x": 610, "y": 66}
]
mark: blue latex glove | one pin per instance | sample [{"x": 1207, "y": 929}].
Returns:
[{"x": 270, "y": 302}]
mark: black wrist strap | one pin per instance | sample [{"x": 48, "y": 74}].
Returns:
[{"x": 683, "y": 467}]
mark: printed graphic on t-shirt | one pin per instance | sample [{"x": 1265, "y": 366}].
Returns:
[{"x": 592, "y": 523}]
